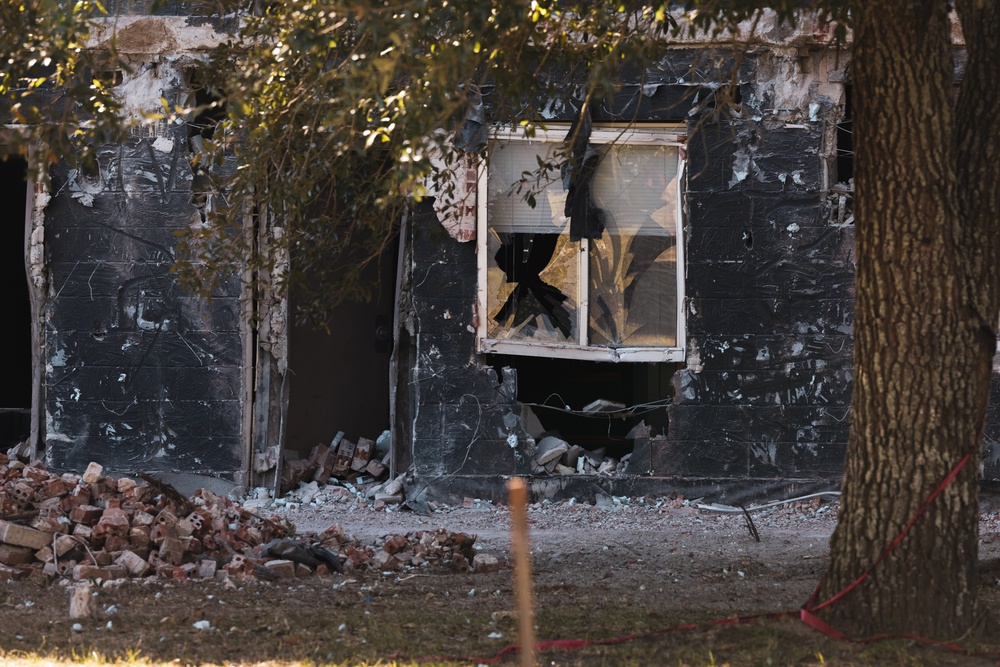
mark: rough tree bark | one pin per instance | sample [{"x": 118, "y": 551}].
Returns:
[{"x": 926, "y": 211}]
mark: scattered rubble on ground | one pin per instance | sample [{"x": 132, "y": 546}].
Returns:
[{"x": 95, "y": 527}]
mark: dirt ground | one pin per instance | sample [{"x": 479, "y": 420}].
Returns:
[{"x": 628, "y": 566}]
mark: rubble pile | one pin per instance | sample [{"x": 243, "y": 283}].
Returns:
[
  {"x": 343, "y": 459},
  {"x": 380, "y": 496},
  {"x": 440, "y": 547},
  {"x": 555, "y": 456},
  {"x": 93, "y": 526}
]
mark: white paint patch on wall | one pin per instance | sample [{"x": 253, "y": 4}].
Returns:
[{"x": 163, "y": 144}]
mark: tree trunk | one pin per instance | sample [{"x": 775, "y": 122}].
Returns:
[{"x": 922, "y": 359}]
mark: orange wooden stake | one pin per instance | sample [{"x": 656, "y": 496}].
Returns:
[{"x": 521, "y": 551}]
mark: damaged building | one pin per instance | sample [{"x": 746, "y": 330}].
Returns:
[
  {"x": 680, "y": 320},
  {"x": 692, "y": 332}
]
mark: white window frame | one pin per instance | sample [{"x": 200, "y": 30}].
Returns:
[{"x": 659, "y": 136}]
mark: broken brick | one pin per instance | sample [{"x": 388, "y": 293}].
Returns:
[
  {"x": 485, "y": 563},
  {"x": 283, "y": 568},
  {"x": 54, "y": 488},
  {"x": 131, "y": 561},
  {"x": 323, "y": 459},
  {"x": 49, "y": 525},
  {"x": 116, "y": 543},
  {"x": 363, "y": 451},
  {"x": 12, "y": 555},
  {"x": 386, "y": 561},
  {"x": 375, "y": 468},
  {"x": 93, "y": 473},
  {"x": 88, "y": 515},
  {"x": 345, "y": 455},
  {"x": 171, "y": 551},
  {"x": 138, "y": 536},
  {"x": 207, "y": 568},
  {"x": 22, "y": 536},
  {"x": 63, "y": 545}
]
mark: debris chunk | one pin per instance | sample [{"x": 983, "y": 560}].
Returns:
[
  {"x": 22, "y": 536},
  {"x": 82, "y": 603}
]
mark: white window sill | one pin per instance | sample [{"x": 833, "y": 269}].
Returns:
[{"x": 565, "y": 351}]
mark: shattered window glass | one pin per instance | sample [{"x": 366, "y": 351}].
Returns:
[
  {"x": 633, "y": 266},
  {"x": 533, "y": 270},
  {"x": 616, "y": 291}
]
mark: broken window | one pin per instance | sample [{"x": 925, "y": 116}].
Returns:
[{"x": 616, "y": 297}]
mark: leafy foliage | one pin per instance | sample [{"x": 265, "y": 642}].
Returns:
[
  {"x": 51, "y": 87},
  {"x": 339, "y": 111}
]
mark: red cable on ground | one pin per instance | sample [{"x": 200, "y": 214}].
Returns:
[{"x": 805, "y": 614}]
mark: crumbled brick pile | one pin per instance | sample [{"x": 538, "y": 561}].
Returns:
[
  {"x": 92, "y": 526},
  {"x": 343, "y": 459},
  {"x": 456, "y": 551}
]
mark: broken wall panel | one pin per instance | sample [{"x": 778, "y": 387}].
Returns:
[{"x": 465, "y": 420}]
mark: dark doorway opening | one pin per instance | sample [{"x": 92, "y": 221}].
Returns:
[
  {"x": 339, "y": 380},
  {"x": 15, "y": 304}
]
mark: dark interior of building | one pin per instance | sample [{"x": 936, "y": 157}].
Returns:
[
  {"x": 339, "y": 379},
  {"x": 15, "y": 336},
  {"x": 562, "y": 394}
]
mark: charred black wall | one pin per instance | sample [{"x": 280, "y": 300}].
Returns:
[
  {"x": 762, "y": 400},
  {"x": 465, "y": 419},
  {"x": 140, "y": 375},
  {"x": 769, "y": 284}
]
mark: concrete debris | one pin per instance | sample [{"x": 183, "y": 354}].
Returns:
[
  {"x": 82, "y": 603},
  {"x": 554, "y": 456},
  {"x": 550, "y": 448},
  {"x": 54, "y": 526}
]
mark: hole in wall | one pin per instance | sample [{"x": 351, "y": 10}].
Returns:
[
  {"x": 15, "y": 390},
  {"x": 600, "y": 407},
  {"x": 210, "y": 110},
  {"x": 209, "y": 105}
]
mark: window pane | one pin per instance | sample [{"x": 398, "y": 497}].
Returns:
[
  {"x": 633, "y": 291},
  {"x": 532, "y": 283},
  {"x": 633, "y": 266},
  {"x": 637, "y": 186},
  {"x": 507, "y": 210}
]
